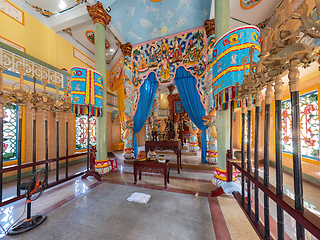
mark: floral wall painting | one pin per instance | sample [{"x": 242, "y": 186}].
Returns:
[
  {"x": 90, "y": 37},
  {"x": 247, "y": 4}
]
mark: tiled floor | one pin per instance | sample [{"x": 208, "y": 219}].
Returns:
[{"x": 88, "y": 209}]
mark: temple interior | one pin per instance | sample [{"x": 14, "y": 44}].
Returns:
[{"x": 156, "y": 119}]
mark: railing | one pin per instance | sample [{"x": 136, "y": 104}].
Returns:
[
  {"x": 90, "y": 169},
  {"x": 305, "y": 218}
]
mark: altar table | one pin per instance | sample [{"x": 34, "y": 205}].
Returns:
[
  {"x": 152, "y": 167},
  {"x": 166, "y": 145}
]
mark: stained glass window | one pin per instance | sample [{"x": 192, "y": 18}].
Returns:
[
  {"x": 82, "y": 129},
  {"x": 10, "y": 131},
  {"x": 309, "y": 123}
]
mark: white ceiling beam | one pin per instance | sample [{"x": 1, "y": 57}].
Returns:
[{"x": 70, "y": 18}]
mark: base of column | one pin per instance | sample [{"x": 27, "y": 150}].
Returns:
[
  {"x": 212, "y": 156},
  {"x": 128, "y": 153},
  {"x": 193, "y": 146},
  {"x": 220, "y": 176},
  {"x": 103, "y": 167}
]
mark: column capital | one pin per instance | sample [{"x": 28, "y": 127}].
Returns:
[
  {"x": 269, "y": 94},
  {"x": 294, "y": 74},
  {"x": 210, "y": 27},
  {"x": 258, "y": 97},
  {"x": 126, "y": 49},
  {"x": 243, "y": 105},
  {"x": 278, "y": 88},
  {"x": 99, "y": 14},
  {"x": 249, "y": 102}
]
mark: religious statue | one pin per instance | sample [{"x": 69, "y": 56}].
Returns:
[
  {"x": 192, "y": 52},
  {"x": 153, "y": 60},
  {"x": 193, "y": 141},
  {"x": 177, "y": 52},
  {"x": 165, "y": 68},
  {"x": 142, "y": 64},
  {"x": 164, "y": 48}
]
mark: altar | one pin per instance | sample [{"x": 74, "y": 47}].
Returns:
[{"x": 166, "y": 145}]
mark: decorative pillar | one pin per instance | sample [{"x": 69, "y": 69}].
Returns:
[
  {"x": 278, "y": 138},
  {"x": 266, "y": 157},
  {"x": 1, "y": 127},
  {"x": 294, "y": 83},
  {"x": 256, "y": 153},
  {"x": 128, "y": 110},
  {"x": 243, "y": 151},
  {"x": 249, "y": 107},
  {"x": 154, "y": 122},
  {"x": 101, "y": 19},
  {"x": 212, "y": 131},
  {"x": 222, "y": 16}
]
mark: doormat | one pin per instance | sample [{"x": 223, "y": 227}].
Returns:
[{"x": 139, "y": 197}]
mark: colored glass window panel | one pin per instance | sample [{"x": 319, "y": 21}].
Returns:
[
  {"x": 82, "y": 130},
  {"x": 309, "y": 126},
  {"x": 10, "y": 132}
]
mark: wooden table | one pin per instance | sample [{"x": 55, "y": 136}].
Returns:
[
  {"x": 152, "y": 167},
  {"x": 166, "y": 145}
]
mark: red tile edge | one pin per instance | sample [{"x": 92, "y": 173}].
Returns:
[
  {"x": 219, "y": 224},
  {"x": 176, "y": 190},
  {"x": 171, "y": 177}
]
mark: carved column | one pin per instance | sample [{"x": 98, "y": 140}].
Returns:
[
  {"x": 256, "y": 152},
  {"x": 222, "y": 16},
  {"x": 249, "y": 107},
  {"x": 1, "y": 127},
  {"x": 128, "y": 110},
  {"x": 294, "y": 83},
  {"x": 278, "y": 138},
  {"x": 212, "y": 132},
  {"x": 101, "y": 19},
  {"x": 266, "y": 157},
  {"x": 243, "y": 144}
]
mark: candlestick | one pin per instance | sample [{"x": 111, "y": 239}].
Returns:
[{"x": 44, "y": 87}]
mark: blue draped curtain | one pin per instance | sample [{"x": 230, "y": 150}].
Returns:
[
  {"x": 147, "y": 93},
  {"x": 186, "y": 85}
]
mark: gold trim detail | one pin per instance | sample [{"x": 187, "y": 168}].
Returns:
[
  {"x": 210, "y": 27},
  {"x": 126, "y": 49},
  {"x": 99, "y": 14}
]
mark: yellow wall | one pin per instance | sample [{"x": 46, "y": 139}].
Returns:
[
  {"x": 39, "y": 41},
  {"x": 44, "y": 44}
]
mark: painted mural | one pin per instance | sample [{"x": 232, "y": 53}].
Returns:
[
  {"x": 142, "y": 20},
  {"x": 165, "y": 55}
]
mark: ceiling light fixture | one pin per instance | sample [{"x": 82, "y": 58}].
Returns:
[
  {"x": 62, "y": 5},
  {"x": 108, "y": 9}
]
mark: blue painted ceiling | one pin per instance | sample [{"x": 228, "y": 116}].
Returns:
[{"x": 138, "y": 21}]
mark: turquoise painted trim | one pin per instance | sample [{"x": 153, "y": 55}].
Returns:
[{"x": 31, "y": 58}]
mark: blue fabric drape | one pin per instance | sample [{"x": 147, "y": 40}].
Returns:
[
  {"x": 147, "y": 93},
  {"x": 186, "y": 85}
]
